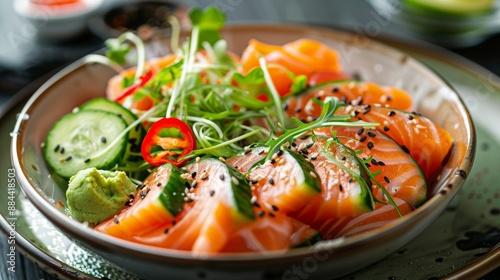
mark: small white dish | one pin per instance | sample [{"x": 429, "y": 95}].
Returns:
[{"x": 57, "y": 22}]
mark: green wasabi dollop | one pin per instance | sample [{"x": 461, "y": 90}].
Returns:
[{"x": 94, "y": 195}]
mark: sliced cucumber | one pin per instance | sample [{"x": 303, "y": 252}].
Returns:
[
  {"x": 360, "y": 189},
  {"x": 75, "y": 141},
  {"x": 226, "y": 180},
  {"x": 173, "y": 185},
  {"x": 135, "y": 135}
]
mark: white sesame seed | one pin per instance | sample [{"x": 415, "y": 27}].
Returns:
[{"x": 234, "y": 180}]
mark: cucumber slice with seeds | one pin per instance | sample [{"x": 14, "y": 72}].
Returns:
[
  {"x": 74, "y": 140},
  {"x": 135, "y": 135}
]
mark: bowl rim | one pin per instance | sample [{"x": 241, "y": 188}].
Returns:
[{"x": 80, "y": 231}]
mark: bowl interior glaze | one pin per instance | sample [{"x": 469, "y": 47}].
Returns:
[{"x": 82, "y": 81}]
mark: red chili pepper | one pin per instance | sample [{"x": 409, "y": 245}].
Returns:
[
  {"x": 167, "y": 141},
  {"x": 144, "y": 79}
]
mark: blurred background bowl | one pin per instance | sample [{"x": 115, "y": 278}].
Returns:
[
  {"x": 57, "y": 20},
  {"x": 140, "y": 16}
]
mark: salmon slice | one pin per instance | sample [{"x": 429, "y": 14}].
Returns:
[
  {"x": 157, "y": 200},
  {"x": 218, "y": 204},
  {"x": 427, "y": 142},
  {"x": 351, "y": 93},
  {"x": 342, "y": 194},
  {"x": 398, "y": 172},
  {"x": 271, "y": 231},
  {"x": 381, "y": 216},
  {"x": 301, "y": 57},
  {"x": 286, "y": 182},
  {"x": 349, "y": 226},
  {"x": 303, "y": 235}
]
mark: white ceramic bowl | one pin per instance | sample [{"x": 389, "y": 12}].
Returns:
[{"x": 82, "y": 81}]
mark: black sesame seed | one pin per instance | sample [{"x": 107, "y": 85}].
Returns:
[
  {"x": 127, "y": 203},
  {"x": 350, "y": 180},
  {"x": 368, "y": 165},
  {"x": 381, "y": 163},
  {"x": 247, "y": 152},
  {"x": 166, "y": 230},
  {"x": 356, "y": 113},
  {"x": 344, "y": 99},
  {"x": 389, "y": 98},
  {"x": 193, "y": 175},
  {"x": 303, "y": 120},
  {"x": 304, "y": 151},
  {"x": 392, "y": 113},
  {"x": 273, "y": 161},
  {"x": 173, "y": 222},
  {"x": 103, "y": 139},
  {"x": 360, "y": 131},
  {"x": 116, "y": 221},
  {"x": 280, "y": 152},
  {"x": 261, "y": 213},
  {"x": 387, "y": 179},
  {"x": 304, "y": 137},
  {"x": 204, "y": 178},
  {"x": 271, "y": 215},
  {"x": 87, "y": 160},
  {"x": 308, "y": 146},
  {"x": 212, "y": 192},
  {"x": 370, "y": 145},
  {"x": 62, "y": 150},
  {"x": 261, "y": 152},
  {"x": 335, "y": 89},
  {"x": 222, "y": 177},
  {"x": 362, "y": 139},
  {"x": 341, "y": 188},
  {"x": 374, "y": 161},
  {"x": 275, "y": 208},
  {"x": 405, "y": 149},
  {"x": 366, "y": 111},
  {"x": 285, "y": 106},
  {"x": 131, "y": 196},
  {"x": 271, "y": 181},
  {"x": 371, "y": 134},
  {"x": 313, "y": 158},
  {"x": 256, "y": 204},
  {"x": 294, "y": 144},
  {"x": 410, "y": 117},
  {"x": 194, "y": 184},
  {"x": 189, "y": 200},
  {"x": 298, "y": 110},
  {"x": 386, "y": 128},
  {"x": 68, "y": 158},
  {"x": 57, "y": 148}
]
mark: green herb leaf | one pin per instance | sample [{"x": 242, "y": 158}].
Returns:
[
  {"x": 117, "y": 50},
  {"x": 209, "y": 22},
  {"x": 299, "y": 83}
]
